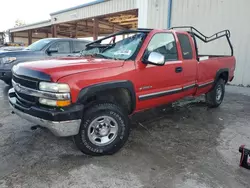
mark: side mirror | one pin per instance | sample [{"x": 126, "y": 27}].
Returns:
[
  {"x": 52, "y": 50},
  {"x": 156, "y": 58}
]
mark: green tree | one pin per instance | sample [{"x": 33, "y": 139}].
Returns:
[{"x": 19, "y": 23}]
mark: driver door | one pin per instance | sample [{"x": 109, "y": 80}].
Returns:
[{"x": 160, "y": 84}]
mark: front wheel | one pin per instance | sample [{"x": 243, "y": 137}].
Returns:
[
  {"x": 215, "y": 97},
  {"x": 104, "y": 130}
]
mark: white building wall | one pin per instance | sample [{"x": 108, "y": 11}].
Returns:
[
  {"x": 210, "y": 16},
  {"x": 22, "y": 40},
  {"x": 152, "y": 13},
  {"x": 23, "y": 37},
  {"x": 142, "y": 6}
]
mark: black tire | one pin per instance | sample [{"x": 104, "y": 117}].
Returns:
[
  {"x": 83, "y": 141},
  {"x": 213, "y": 98}
]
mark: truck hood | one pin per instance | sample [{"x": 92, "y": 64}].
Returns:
[
  {"x": 18, "y": 53},
  {"x": 58, "y": 68}
]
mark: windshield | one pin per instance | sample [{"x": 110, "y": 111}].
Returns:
[
  {"x": 123, "y": 49},
  {"x": 38, "y": 45}
]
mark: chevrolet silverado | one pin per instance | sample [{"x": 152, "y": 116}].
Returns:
[{"x": 93, "y": 96}]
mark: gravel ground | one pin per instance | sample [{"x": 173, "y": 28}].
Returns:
[{"x": 184, "y": 146}]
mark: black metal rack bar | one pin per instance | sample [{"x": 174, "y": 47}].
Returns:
[{"x": 206, "y": 39}]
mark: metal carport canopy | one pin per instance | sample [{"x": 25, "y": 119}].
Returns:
[
  {"x": 92, "y": 9},
  {"x": 99, "y": 17}
]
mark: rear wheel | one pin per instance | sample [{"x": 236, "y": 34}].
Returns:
[
  {"x": 215, "y": 97},
  {"x": 104, "y": 130}
]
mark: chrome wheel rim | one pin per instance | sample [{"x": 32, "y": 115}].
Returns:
[
  {"x": 103, "y": 130},
  {"x": 218, "y": 93}
]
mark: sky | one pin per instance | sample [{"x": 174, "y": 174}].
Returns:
[{"x": 31, "y": 11}]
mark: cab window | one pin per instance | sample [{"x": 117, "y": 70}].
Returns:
[
  {"x": 62, "y": 47},
  {"x": 187, "y": 52},
  {"x": 163, "y": 43}
]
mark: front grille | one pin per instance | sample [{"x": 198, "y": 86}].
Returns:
[
  {"x": 22, "y": 102},
  {"x": 23, "y": 99},
  {"x": 26, "y": 82},
  {"x": 27, "y": 98}
]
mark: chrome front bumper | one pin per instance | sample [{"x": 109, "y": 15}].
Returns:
[
  {"x": 58, "y": 128},
  {"x": 61, "y": 128}
]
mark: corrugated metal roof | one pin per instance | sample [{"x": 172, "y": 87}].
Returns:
[
  {"x": 31, "y": 26},
  {"x": 96, "y": 9},
  {"x": 77, "y": 7}
]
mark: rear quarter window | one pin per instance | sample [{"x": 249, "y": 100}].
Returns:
[{"x": 186, "y": 48}]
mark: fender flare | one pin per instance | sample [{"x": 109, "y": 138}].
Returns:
[
  {"x": 219, "y": 72},
  {"x": 92, "y": 89}
]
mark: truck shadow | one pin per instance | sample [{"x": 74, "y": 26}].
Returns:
[{"x": 5, "y": 91}]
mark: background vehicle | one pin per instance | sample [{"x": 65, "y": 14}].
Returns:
[
  {"x": 11, "y": 48},
  {"x": 2, "y": 37},
  {"x": 42, "y": 49},
  {"x": 92, "y": 97}
]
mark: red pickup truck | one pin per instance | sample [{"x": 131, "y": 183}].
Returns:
[{"x": 92, "y": 97}]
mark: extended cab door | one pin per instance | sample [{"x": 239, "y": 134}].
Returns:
[
  {"x": 157, "y": 85},
  {"x": 60, "y": 49},
  {"x": 190, "y": 64}
]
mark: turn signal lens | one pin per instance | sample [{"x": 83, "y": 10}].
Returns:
[
  {"x": 49, "y": 102},
  {"x": 63, "y": 103}
]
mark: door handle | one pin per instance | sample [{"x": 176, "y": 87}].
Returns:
[{"x": 178, "y": 69}]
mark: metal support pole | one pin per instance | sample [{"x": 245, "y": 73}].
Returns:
[
  {"x": 169, "y": 12},
  {"x": 95, "y": 29},
  {"x": 29, "y": 37},
  {"x": 54, "y": 31}
]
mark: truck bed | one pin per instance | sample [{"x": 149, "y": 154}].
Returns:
[{"x": 209, "y": 65}]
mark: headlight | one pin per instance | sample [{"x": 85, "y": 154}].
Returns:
[
  {"x": 54, "y": 87},
  {"x": 49, "y": 102},
  {"x": 59, "y": 91},
  {"x": 7, "y": 60}
]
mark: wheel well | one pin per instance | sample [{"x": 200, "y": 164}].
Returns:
[
  {"x": 119, "y": 96},
  {"x": 224, "y": 76}
]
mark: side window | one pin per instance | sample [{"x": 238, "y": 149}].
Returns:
[
  {"x": 79, "y": 46},
  {"x": 62, "y": 47},
  {"x": 186, "y": 48},
  {"x": 165, "y": 44}
]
